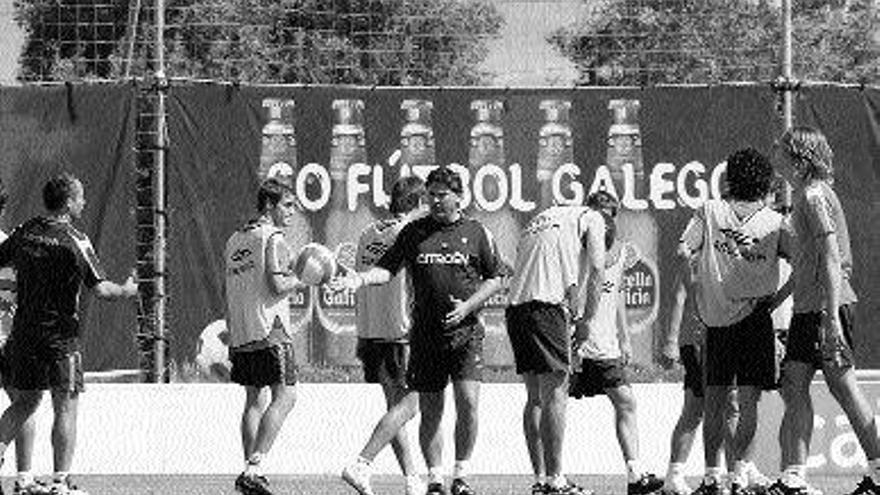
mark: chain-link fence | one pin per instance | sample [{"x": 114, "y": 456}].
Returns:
[{"x": 414, "y": 43}]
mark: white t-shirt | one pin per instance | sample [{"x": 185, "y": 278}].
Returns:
[
  {"x": 603, "y": 341},
  {"x": 253, "y": 310},
  {"x": 551, "y": 252},
  {"x": 737, "y": 258}
]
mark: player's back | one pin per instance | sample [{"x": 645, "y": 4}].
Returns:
[
  {"x": 383, "y": 311},
  {"x": 548, "y": 255}
]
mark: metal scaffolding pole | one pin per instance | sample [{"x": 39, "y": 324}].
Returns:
[
  {"x": 159, "y": 345},
  {"x": 788, "y": 81}
]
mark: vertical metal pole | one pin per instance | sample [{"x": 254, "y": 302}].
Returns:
[
  {"x": 788, "y": 86},
  {"x": 159, "y": 197}
]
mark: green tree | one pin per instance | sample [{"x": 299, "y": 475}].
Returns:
[
  {"x": 645, "y": 42},
  {"x": 373, "y": 42}
]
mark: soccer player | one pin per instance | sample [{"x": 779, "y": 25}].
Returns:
[
  {"x": 52, "y": 260},
  {"x": 258, "y": 281},
  {"x": 543, "y": 299},
  {"x": 455, "y": 268},
  {"x": 25, "y": 483},
  {"x": 604, "y": 346},
  {"x": 820, "y": 333},
  {"x": 383, "y": 322},
  {"x": 737, "y": 243}
]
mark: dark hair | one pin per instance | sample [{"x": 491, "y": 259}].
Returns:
[
  {"x": 749, "y": 175},
  {"x": 270, "y": 193},
  {"x": 447, "y": 177},
  {"x": 604, "y": 202},
  {"x": 610, "y": 230},
  {"x": 58, "y": 190},
  {"x": 406, "y": 194}
]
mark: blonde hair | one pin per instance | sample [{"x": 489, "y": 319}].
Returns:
[{"x": 810, "y": 153}]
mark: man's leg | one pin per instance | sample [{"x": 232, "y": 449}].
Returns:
[
  {"x": 796, "y": 429},
  {"x": 744, "y": 436},
  {"x": 24, "y": 447},
  {"x": 65, "y": 404},
  {"x": 681, "y": 442},
  {"x": 283, "y": 400},
  {"x": 22, "y": 407},
  {"x": 714, "y": 425},
  {"x": 431, "y": 406},
  {"x": 397, "y": 394},
  {"x": 467, "y": 398},
  {"x": 639, "y": 481},
  {"x": 255, "y": 402},
  {"x": 531, "y": 422}
]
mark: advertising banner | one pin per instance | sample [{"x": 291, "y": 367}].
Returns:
[
  {"x": 88, "y": 131},
  {"x": 660, "y": 150}
]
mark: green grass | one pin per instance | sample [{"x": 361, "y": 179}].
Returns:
[{"x": 331, "y": 485}]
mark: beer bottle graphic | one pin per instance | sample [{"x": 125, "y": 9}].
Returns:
[
  {"x": 416, "y": 135},
  {"x": 278, "y": 160},
  {"x": 640, "y": 278},
  {"x": 487, "y": 148},
  {"x": 337, "y": 337},
  {"x": 554, "y": 146}
]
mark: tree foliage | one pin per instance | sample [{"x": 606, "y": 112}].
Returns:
[
  {"x": 645, "y": 42},
  {"x": 375, "y": 42}
]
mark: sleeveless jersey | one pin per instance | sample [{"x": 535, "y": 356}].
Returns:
[
  {"x": 253, "y": 309},
  {"x": 550, "y": 253},
  {"x": 383, "y": 311},
  {"x": 738, "y": 259},
  {"x": 603, "y": 341}
]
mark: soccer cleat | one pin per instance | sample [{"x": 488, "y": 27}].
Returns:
[
  {"x": 866, "y": 487},
  {"x": 757, "y": 482},
  {"x": 32, "y": 488},
  {"x": 780, "y": 488},
  {"x": 676, "y": 485},
  {"x": 460, "y": 486},
  {"x": 436, "y": 489},
  {"x": 737, "y": 488},
  {"x": 708, "y": 488},
  {"x": 65, "y": 488},
  {"x": 647, "y": 483},
  {"x": 569, "y": 489},
  {"x": 252, "y": 484},
  {"x": 539, "y": 488},
  {"x": 415, "y": 486},
  {"x": 357, "y": 475}
]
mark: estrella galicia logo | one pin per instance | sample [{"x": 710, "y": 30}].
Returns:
[{"x": 454, "y": 258}]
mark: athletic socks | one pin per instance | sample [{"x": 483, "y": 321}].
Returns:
[
  {"x": 675, "y": 469},
  {"x": 794, "y": 476},
  {"x": 715, "y": 475},
  {"x": 252, "y": 465},
  {"x": 461, "y": 469},
  {"x": 634, "y": 470},
  {"x": 25, "y": 478},
  {"x": 874, "y": 469},
  {"x": 558, "y": 481},
  {"x": 435, "y": 474}
]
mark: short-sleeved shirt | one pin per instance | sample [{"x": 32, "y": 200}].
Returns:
[
  {"x": 603, "y": 341},
  {"x": 445, "y": 261},
  {"x": 383, "y": 311},
  {"x": 549, "y": 254},
  {"x": 817, "y": 213},
  {"x": 7, "y": 297},
  {"x": 737, "y": 259},
  {"x": 52, "y": 260}
]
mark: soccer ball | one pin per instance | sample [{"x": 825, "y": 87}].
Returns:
[{"x": 315, "y": 264}]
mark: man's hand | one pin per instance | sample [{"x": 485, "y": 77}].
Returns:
[
  {"x": 458, "y": 313},
  {"x": 348, "y": 279},
  {"x": 669, "y": 355},
  {"x": 130, "y": 287}
]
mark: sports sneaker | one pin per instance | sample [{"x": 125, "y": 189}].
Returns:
[
  {"x": 414, "y": 486},
  {"x": 539, "y": 488},
  {"x": 65, "y": 487},
  {"x": 436, "y": 489},
  {"x": 460, "y": 486},
  {"x": 709, "y": 488},
  {"x": 252, "y": 484},
  {"x": 357, "y": 475},
  {"x": 737, "y": 488},
  {"x": 647, "y": 483},
  {"x": 866, "y": 487},
  {"x": 780, "y": 488},
  {"x": 32, "y": 488},
  {"x": 569, "y": 489},
  {"x": 676, "y": 485}
]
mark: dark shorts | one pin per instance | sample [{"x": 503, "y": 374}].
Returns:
[
  {"x": 42, "y": 369},
  {"x": 597, "y": 376},
  {"x": 692, "y": 360},
  {"x": 803, "y": 338},
  {"x": 437, "y": 359},
  {"x": 272, "y": 365},
  {"x": 743, "y": 353},
  {"x": 540, "y": 337},
  {"x": 384, "y": 362}
]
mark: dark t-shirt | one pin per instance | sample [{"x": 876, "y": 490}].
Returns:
[
  {"x": 52, "y": 260},
  {"x": 445, "y": 261}
]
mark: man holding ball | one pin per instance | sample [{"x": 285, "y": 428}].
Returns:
[{"x": 258, "y": 281}]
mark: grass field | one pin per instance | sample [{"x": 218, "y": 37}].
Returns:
[{"x": 332, "y": 485}]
